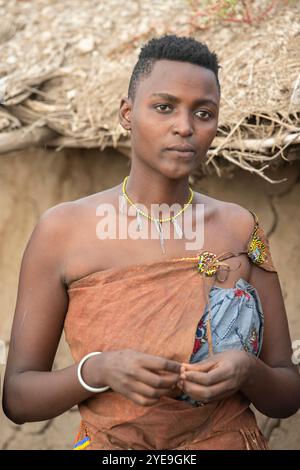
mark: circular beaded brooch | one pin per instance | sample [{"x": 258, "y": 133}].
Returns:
[{"x": 207, "y": 263}]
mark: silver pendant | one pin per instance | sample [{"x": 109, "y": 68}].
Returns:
[
  {"x": 139, "y": 222},
  {"x": 123, "y": 205},
  {"x": 161, "y": 235},
  {"x": 177, "y": 228}
]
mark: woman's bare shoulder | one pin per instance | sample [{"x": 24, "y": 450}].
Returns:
[
  {"x": 107, "y": 195},
  {"x": 235, "y": 220},
  {"x": 239, "y": 222},
  {"x": 64, "y": 213},
  {"x": 64, "y": 226},
  {"x": 230, "y": 211}
]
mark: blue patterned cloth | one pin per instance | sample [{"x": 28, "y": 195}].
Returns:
[{"x": 237, "y": 322}]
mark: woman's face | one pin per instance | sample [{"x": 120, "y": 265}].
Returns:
[{"x": 187, "y": 116}]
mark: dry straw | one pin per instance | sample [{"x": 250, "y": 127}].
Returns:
[{"x": 65, "y": 66}]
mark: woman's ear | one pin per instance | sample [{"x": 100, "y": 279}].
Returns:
[{"x": 125, "y": 113}]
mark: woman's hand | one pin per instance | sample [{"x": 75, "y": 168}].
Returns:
[
  {"x": 143, "y": 378},
  {"x": 217, "y": 377}
]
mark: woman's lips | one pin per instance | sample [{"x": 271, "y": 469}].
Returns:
[{"x": 183, "y": 153}]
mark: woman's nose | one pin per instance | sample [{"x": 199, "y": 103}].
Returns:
[{"x": 183, "y": 125}]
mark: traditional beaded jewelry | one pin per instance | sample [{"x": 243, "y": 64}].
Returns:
[
  {"x": 207, "y": 263},
  {"x": 157, "y": 221},
  {"x": 86, "y": 441},
  {"x": 257, "y": 250}
]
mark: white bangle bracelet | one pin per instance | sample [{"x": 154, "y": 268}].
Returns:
[{"x": 87, "y": 387}]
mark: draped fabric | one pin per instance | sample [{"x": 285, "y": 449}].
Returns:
[{"x": 155, "y": 308}]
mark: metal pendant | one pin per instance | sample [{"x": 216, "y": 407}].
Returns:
[
  {"x": 161, "y": 235},
  {"x": 139, "y": 221},
  {"x": 177, "y": 228},
  {"x": 123, "y": 204}
]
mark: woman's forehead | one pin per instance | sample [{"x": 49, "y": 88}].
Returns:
[{"x": 179, "y": 78}]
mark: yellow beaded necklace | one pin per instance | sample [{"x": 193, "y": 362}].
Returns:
[{"x": 157, "y": 221}]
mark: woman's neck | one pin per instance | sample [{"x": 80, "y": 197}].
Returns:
[{"x": 148, "y": 190}]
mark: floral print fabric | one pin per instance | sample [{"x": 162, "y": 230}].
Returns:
[{"x": 236, "y": 322}]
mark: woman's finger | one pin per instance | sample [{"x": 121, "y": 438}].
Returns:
[
  {"x": 207, "y": 378},
  {"x": 156, "y": 380},
  {"x": 160, "y": 363},
  {"x": 203, "y": 366},
  {"x": 141, "y": 399},
  {"x": 152, "y": 385},
  {"x": 147, "y": 391},
  {"x": 207, "y": 394}
]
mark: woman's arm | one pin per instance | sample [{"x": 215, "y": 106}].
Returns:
[
  {"x": 31, "y": 391},
  {"x": 274, "y": 381}
]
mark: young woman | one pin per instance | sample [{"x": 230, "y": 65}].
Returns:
[{"x": 184, "y": 339}]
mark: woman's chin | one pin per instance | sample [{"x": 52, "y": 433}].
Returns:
[{"x": 177, "y": 171}]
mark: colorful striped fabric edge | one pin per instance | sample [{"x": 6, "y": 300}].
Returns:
[{"x": 80, "y": 445}]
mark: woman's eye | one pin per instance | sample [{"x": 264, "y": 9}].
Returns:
[
  {"x": 163, "y": 105},
  {"x": 205, "y": 117},
  {"x": 205, "y": 112}
]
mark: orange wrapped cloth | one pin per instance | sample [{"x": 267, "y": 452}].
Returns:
[{"x": 153, "y": 308}]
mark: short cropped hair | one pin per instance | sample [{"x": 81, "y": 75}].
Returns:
[{"x": 172, "y": 47}]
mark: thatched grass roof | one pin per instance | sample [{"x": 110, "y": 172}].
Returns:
[{"x": 65, "y": 66}]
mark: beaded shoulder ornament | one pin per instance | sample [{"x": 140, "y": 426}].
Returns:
[{"x": 257, "y": 249}]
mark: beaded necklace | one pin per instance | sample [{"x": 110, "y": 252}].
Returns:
[{"x": 158, "y": 221}]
